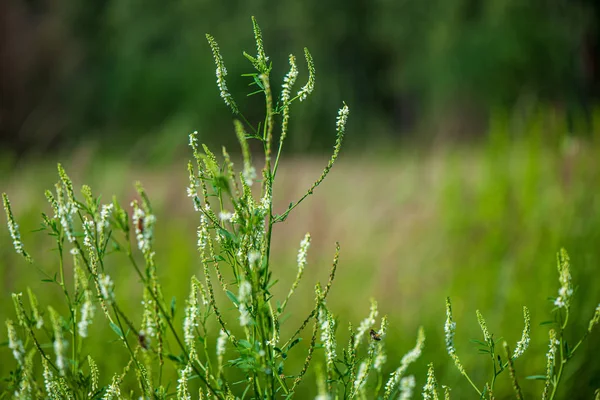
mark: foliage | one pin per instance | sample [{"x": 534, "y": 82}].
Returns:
[{"x": 236, "y": 243}]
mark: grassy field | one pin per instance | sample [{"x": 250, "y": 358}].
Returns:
[{"x": 481, "y": 224}]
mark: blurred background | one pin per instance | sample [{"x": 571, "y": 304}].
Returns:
[{"x": 471, "y": 153}]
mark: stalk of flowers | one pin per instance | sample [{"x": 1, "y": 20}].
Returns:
[
  {"x": 301, "y": 261},
  {"x": 511, "y": 369},
  {"x": 366, "y": 324},
  {"x": 430, "y": 388},
  {"x": 14, "y": 343},
  {"x": 58, "y": 340},
  {"x": 36, "y": 316},
  {"x": 523, "y": 344},
  {"x": 375, "y": 357},
  {"x": 550, "y": 362},
  {"x": 407, "y": 359},
  {"x": 13, "y": 229},
  {"x": 83, "y": 291},
  {"x": 407, "y": 386},
  {"x": 564, "y": 276}
]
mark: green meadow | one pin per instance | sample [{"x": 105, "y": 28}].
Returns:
[{"x": 481, "y": 223}]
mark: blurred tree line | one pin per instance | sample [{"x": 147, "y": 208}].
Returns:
[{"x": 121, "y": 71}]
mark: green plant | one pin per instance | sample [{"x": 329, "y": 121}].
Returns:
[
  {"x": 235, "y": 242},
  {"x": 250, "y": 358}
]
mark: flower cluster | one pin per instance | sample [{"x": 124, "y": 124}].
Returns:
[
  {"x": 288, "y": 81},
  {"x": 450, "y": 330},
  {"x": 310, "y": 85},
  {"x": 523, "y": 344},
  {"x": 13, "y": 228},
  {"x": 221, "y": 74},
  {"x": 564, "y": 276}
]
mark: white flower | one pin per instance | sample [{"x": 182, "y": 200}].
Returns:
[
  {"x": 221, "y": 343},
  {"x": 106, "y": 287},
  {"x": 225, "y": 216},
  {"x": 289, "y": 80},
  {"x": 304, "y": 244},
  {"x": 253, "y": 257},
  {"x": 366, "y": 323},
  {"x": 310, "y": 85},
  {"x": 360, "y": 376},
  {"x": 342, "y": 118},
  {"x": 14, "y": 343},
  {"x": 524, "y": 342},
  {"x": 87, "y": 314},
  {"x": 244, "y": 315},
  {"x": 407, "y": 384},
  {"x": 245, "y": 292},
  {"x": 249, "y": 174}
]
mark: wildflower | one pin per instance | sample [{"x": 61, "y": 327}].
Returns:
[
  {"x": 64, "y": 213},
  {"x": 430, "y": 388},
  {"x": 330, "y": 343},
  {"x": 221, "y": 343},
  {"x": 244, "y": 315},
  {"x": 486, "y": 334},
  {"x": 366, "y": 323},
  {"x": 49, "y": 383},
  {"x": 106, "y": 287},
  {"x": 564, "y": 276},
  {"x": 87, "y": 314},
  {"x": 289, "y": 80},
  {"x": 450, "y": 330},
  {"x": 202, "y": 233},
  {"x": 13, "y": 228},
  {"x": 194, "y": 140},
  {"x": 89, "y": 229},
  {"x": 95, "y": 375},
  {"x": 183, "y": 392},
  {"x": 245, "y": 292},
  {"x": 342, "y": 118},
  {"x": 249, "y": 174},
  {"x": 14, "y": 343},
  {"x": 59, "y": 342},
  {"x": 221, "y": 74},
  {"x": 408, "y": 359},
  {"x": 360, "y": 377},
  {"x": 144, "y": 228},
  {"x": 261, "y": 57},
  {"x": 191, "y": 318},
  {"x": 36, "y": 316},
  {"x": 550, "y": 361},
  {"x": 380, "y": 359},
  {"x": 113, "y": 390},
  {"x": 310, "y": 85},
  {"x": 253, "y": 257},
  {"x": 107, "y": 210},
  {"x": 149, "y": 327},
  {"x": 524, "y": 342},
  {"x": 225, "y": 216},
  {"x": 407, "y": 384},
  {"x": 304, "y": 244}
]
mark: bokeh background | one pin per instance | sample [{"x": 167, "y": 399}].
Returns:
[{"x": 471, "y": 153}]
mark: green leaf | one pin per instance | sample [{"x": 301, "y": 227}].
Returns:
[
  {"x": 294, "y": 342},
  {"x": 175, "y": 358},
  {"x": 117, "y": 330},
  {"x": 173, "y": 305},
  {"x": 546, "y": 323},
  {"x": 536, "y": 377},
  {"x": 244, "y": 343},
  {"x": 233, "y": 298}
]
